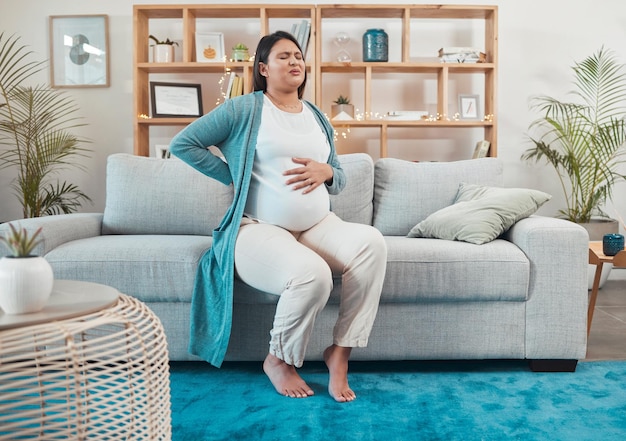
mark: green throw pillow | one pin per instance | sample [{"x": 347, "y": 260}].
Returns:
[{"x": 480, "y": 213}]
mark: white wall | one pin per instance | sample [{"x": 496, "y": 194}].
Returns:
[{"x": 539, "y": 40}]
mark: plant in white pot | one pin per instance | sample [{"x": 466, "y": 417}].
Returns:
[
  {"x": 25, "y": 279},
  {"x": 163, "y": 50},
  {"x": 342, "y": 109},
  {"x": 583, "y": 140}
]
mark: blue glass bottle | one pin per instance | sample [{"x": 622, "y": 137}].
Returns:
[{"x": 375, "y": 45}]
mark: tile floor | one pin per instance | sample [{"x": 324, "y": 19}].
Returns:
[{"x": 607, "y": 339}]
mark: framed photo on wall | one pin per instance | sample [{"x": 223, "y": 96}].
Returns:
[
  {"x": 79, "y": 51},
  {"x": 468, "y": 106},
  {"x": 177, "y": 100}
]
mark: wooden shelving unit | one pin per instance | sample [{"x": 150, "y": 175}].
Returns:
[
  {"x": 189, "y": 15},
  {"x": 408, "y": 15}
]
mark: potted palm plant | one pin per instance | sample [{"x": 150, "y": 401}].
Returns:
[
  {"x": 25, "y": 279},
  {"x": 35, "y": 137},
  {"x": 583, "y": 140}
]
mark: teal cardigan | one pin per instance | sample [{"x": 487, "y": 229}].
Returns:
[{"x": 232, "y": 127}]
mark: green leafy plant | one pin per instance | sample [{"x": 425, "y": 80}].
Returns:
[
  {"x": 240, "y": 47},
  {"x": 166, "y": 41},
  {"x": 35, "y": 139},
  {"x": 584, "y": 140},
  {"x": 342, "y": 100},
  {"x": 19, "y": 242}
]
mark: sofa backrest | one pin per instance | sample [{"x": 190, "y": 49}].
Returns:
[
  {"x": 405, "y": 192},
  {"x": 166, "y": 196},
  {"x": 161, "y": 196}
]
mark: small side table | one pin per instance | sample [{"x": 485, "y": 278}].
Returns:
[
  {"x": 597, "y": 258},
  {"x": 93, "y": 364}
]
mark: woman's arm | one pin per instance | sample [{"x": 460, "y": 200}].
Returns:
[
  {"x": 338, "y": 180},
  {"x": 191, "y": 144}
]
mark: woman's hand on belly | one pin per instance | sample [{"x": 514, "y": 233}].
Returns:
[{"x": 310, "y": 175}]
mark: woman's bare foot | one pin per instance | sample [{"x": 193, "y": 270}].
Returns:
[
  {"x": 336, "y": 358},
  {"x": 285, "y": 378}
]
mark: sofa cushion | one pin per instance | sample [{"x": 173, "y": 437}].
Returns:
[
  {"x": 356, "y": 202},
  {"x": 405, "y": 193},
  {"x": 151, "y": 268},
  {"x": 432, "y": 270},
  {"x": 157, "y": 196},
  {"x": 480, "y": 213}
]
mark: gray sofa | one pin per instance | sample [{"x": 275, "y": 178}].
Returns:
[{"x": 520, "y": 296}]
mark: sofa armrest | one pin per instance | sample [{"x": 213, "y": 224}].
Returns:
[
  {"x": 556, "y": 310},
  {"x": 57, "y": 230}
]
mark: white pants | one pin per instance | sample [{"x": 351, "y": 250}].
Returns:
[{"x": 299, "y": 267}]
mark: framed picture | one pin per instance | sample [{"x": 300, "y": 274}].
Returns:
[
  {"x": 79, "y": 51},
  {"x": 210, "y": 47},
  {"x": 175, "y": 100},
  {"x": 468, "y": 106}
]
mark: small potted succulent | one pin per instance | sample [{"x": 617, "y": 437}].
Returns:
[
  {"x": 25, "y": 279},
  {"x": 240, "y": 53},
  {"x": 163, "y": 50},
  {"x": 342, "y": 109}
]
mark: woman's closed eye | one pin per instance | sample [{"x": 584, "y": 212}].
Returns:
[{"x": 286, "y": 56}]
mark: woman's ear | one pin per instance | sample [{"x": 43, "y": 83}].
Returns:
[{"x": 263, "y": 69}]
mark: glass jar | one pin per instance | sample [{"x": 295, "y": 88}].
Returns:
[
  {"x": 612, "y": 244},
  {"x": 375, "y": 45}
]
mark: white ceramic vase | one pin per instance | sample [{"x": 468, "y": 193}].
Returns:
[
  {"x": 163, "y": 53},
  {"x": 25, "y": 284}
]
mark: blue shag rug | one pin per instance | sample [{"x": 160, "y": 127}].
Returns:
[{"x": 468, "y": 401}]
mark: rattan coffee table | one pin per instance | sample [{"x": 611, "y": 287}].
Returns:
[{"x": 92, "y": 365}]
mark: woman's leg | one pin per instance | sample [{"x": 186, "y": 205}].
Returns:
[
  {"x": 269, "y": 258},
  {"x": 358, "y": 252}
]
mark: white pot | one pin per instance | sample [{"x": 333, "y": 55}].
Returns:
[
  {"x": 25, "y": 284},
  {"x": 163, "y": 53},
  {"x": 343, "y": 111}
]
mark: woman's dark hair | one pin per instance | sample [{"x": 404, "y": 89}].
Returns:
[{"x": 262, "y": 54}]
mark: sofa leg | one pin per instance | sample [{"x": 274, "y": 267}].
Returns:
[{"x": 553, "y": 365}]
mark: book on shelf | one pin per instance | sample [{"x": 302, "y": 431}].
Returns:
[
  {"x": 302, "y": 32},
  {"x": 481, "y": 149},
  {"x": 306, "y": 37},
  {"x": 229, "y": 88},
  {"x": 237, "y": 85}
]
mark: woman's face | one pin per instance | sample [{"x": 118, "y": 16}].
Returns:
[{"x": 285, "y": 67}]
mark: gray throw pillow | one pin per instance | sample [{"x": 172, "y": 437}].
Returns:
[{"x": 480, "y": 213}]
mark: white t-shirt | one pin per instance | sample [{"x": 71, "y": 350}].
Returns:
[{"x": 283, "y": 136}]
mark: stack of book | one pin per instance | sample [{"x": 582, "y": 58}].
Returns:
[
  {"x": 235, "y": 86},
  {"x": 461, "y": 55},
  {"x": 302, "y": 32}
]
